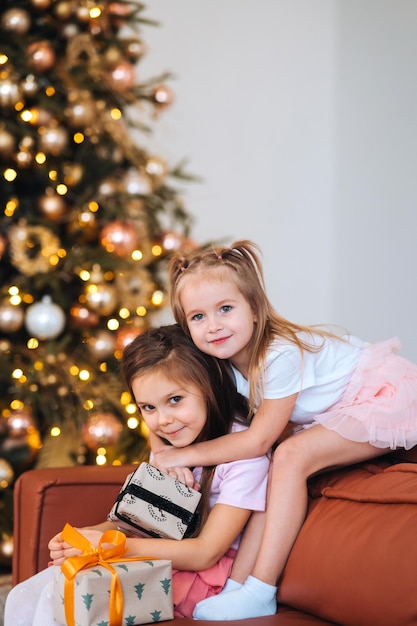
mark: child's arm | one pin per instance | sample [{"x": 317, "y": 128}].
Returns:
[
  {"x": 183, "y": 473},
  {"x": 193, "y": 554},
  {"x": 264, "y": 430},
  {"x": 155, "y": 442}
]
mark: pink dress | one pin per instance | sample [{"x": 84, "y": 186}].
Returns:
[
  {"x": 364, "y": 392},
  {"x": 380, "y": 401},
  {"x": 191, "y": 587}
]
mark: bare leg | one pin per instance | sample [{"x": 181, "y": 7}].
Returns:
[
  {"x": 248, "y": 548},
  {"x": 296, "y": 459},
  {"x": 250, "y": 543}
]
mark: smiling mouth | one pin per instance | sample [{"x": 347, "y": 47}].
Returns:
[
  {"x": 173, "y": 434},
  {"x": 219, "y": 341}
]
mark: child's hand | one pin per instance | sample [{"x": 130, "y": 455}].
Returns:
[
  {"x": 167, "y": 457},
  {"x": 165, "y": 461},
  {"x": 60, "y": 550},
  {"x": 184, "y": 475}
]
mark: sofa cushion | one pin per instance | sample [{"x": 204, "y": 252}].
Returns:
[{"x": 355, "y": 559}]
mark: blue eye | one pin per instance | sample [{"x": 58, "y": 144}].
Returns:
[
  {"x": 226, "y": 308},
  {"x": 175, "y": 399},
  {"x": 197, "y": 317},
  {"x": 146, "y": 407}
]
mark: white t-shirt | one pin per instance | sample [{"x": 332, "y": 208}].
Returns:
[{"x": 320, "y": 378}]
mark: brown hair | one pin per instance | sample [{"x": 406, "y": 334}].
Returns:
[
  {"x": 241, "y": 263},
  {"x": 169, "y": 351}
]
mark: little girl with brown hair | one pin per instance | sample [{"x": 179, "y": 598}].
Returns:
[{"x": 184, "y": 396}]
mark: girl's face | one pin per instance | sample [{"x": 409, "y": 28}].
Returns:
[
  {"x": 174, "y": 411},
  {"x": 220, "y": 320}
]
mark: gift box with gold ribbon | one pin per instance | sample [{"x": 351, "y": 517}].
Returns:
[
  {"x": 154, "y": 504},
  {"x": 101, "y": 586}
]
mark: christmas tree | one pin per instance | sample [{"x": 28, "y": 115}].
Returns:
[{"x": 88, "y": 220}]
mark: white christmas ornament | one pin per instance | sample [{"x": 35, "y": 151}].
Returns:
[{"x": 45, "y": 320}]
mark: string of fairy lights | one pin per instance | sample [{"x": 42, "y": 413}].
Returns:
[{"x": 87, "y": 221}]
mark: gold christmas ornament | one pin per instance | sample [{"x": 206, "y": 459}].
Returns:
[
  {"x": 162, "y": 96},
  {"x": 157, "y": 169},
  {"x": 20, "y": 423},
  {"x": 63, "y": 9},
  {"x": 7, "y": 143},
  {"x": 108, "y": 187},
  {"x": 112, "y": 56},
  {"x": 84, "y": 225},
  {"x": 29, "y": 85},
  {"x": 135, "y": 49},
  {"x": 82, "y": 13},
  {"x": 69, "y": 31},
  {"x": 53, "y": 140},
  {"x": 11, "y": 317},
  {"x": 102, "y": 344},
  {"x": 16, "y": 20},
  {"x": 52, "y": 206},
  {"x": 41, "y": 4},
  {"x": 126, "y": 335},
  {"x": 101, "y": 429},
  {"x": 26, "y": 143},
  {"x": 101, "y": 299},
  {"x": 122, "y": 76},
  {"x": 137, "y": 182},
  {"x": 81, "y": 109},
  {"x": 24, "y": 159},
  {"x": 10, "y": 92},
  {"x": 5, "y": 345},
  {"x": 172, "y": 241},
  {"x": 100, "y": 296},
  {"x": 31, "y": 248},
  {"x": 41, "y": 56},
  {"x": 119, "y": 238}
]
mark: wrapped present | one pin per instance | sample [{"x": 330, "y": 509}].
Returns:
[
  {"x": 154, "y": 504},
  {"x": 101, "y": 586}
]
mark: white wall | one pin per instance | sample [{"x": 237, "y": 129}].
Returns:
[{"x": 300, "y": 118}]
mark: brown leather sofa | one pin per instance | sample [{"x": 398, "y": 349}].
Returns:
[{"x": 354, "y": 562}]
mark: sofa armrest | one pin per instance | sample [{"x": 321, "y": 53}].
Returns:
[{"x": 45, "y": 499}]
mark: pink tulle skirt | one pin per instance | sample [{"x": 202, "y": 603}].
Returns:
[
  {"x": 191, "y": 587},
  {"x": 380, "y": 402}
]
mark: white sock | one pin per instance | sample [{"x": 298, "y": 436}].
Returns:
[{"x": 253, "y": 599}]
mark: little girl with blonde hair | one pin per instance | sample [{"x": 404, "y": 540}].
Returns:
[{"x": 350, "y": 401}]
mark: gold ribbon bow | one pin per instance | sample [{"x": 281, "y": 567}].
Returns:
[{"x": 95, "y": 556}]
